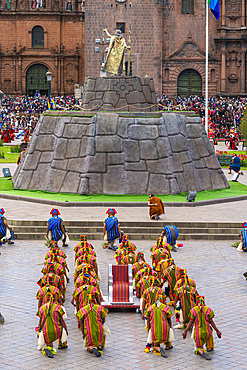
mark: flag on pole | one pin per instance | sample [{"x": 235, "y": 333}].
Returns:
[
  {"x": 49, "y": 105},
  {"x": 214, "y": 6}
]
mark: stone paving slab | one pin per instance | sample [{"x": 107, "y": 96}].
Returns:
[{"x": 216, "y": 267}]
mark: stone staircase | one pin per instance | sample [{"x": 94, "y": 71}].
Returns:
[{"x": 35, "y": 230}]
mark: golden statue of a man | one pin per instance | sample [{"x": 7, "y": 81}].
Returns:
[{"x": 115, "y": 62}]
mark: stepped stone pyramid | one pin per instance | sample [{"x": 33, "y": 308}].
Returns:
[{"x": 107, "y": 153}]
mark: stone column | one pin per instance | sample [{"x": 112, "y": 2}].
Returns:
[
  {"x": 223, "y": 14},
  {"x": 243, "y": 71},
  {"x": 243, "y": 14},
  {"x": 19, "y": 76},
  {"x": 223, "y": 68},
  {"x": 62, "y": 76}
]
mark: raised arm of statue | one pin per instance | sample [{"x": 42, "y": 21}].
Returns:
[{"x": 105, "y": 30}]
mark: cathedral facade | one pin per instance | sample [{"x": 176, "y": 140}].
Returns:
[
  {"x": 37, "y": 36},
  {"x": 167, "y": 40}
]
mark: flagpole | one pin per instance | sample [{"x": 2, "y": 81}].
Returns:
[{"x": 206, "y": 95}]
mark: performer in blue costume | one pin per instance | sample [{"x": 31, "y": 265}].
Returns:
[
  {"x": 111, "y": 228},
  {"x": 235, "y": 165},
  {"x": 55, "y": 227},
  {"x": 170, "y": 235},
  {"x": 6, "y": 232}
]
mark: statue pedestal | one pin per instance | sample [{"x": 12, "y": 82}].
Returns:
[{"x": 120, "y": 94}]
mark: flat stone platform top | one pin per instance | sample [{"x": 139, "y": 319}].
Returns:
[
  {"x": 110, "y": 154},
  {"x": 119, "y": 93}
]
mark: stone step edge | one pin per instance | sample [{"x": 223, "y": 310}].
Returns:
[
  {"x": 121, "y": 204},
  {"x": 135, "y": 224},
  {"x": 232, "y": 237}
]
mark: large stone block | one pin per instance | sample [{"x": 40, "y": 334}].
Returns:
[
  {"x": 102, "y": 84},
  {"x": 57, "y": 178},
  {"x": 80, "y": 165},
  {"x": 174, "y": 187},
  {"x": 88, "y": 96},
  {"x": 45, "y": 143},
  {"x": 40, "y": 177},
  {"x": 202, "y": 150},
  {"x": 46, "y": 157},
  {"x": 91, "y": 130},
  {"x": 106, "y": 124},
  {"x": 181, "y": 182},
  {"x": 135, "y": 166},
  {"x": 131, "y": 151},
  {"x": 193, "y": 149},
  {"x": 60, "y": 124},
  {"x": 212, "y": 162},
  {"x": 32, "y": 160},
  {"x": 73, "y": 148},
  {"x": 194, "y": 130},
  {"x": 97, "y": 163},
  {"x": 149, "y": 121},
  {"x": 216, "y": 179},
  {"x": 135, "y": 97},
  {"x": 96, "y": 183},
  {"x": 115, "y": 158},
  {"x": 87, "y": 146},
  {"x": 170, "y": 121},
  {"x": 123, "y": 124},
  {"x": 71, "y": 183},
  {"x": 204, "y": 175},
  {"x": 158, "y": 184},
  {"x": 162, "y": 166},
  {"x": 110, "y": 97},
  {"x": 178, "y": 144},
  {"x": 61, "y": 148},
  {"x": 60, "y": 164},
  {"x": 181, "y": 120},
  {"x": 32, "y": 143},
  {"x": 191, "y": 177},
  {"x": 48, "y": 125},
  {"x": 108, "y": 144},
  {"x": 84, "y": 186},
  {"x": 176, "y": 162},
  {"x": 148, "y": 149},
  {"x": 163, "y": 147},
  {"x": 113, "y": 180},
  {"x": 74, "y": 131},
  {"x": 23, "y": 180},
  {"x": 208, "y": 144},
  {"x": 185, "y": 157},
  {"x": 136, "y": 182},
  {"x": 141, "y": 132},
  {"x": 91, "y": 84}
]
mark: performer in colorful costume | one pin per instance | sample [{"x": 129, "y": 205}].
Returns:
[
  {"x": 92, "y": 317},
  {"x": 170, "y": 235},
  {"x": 55, "y": 227},
  {"x": 51, "y": 324},
  {"x": 202, "y": 318},
  {"x": 6, "y": 232},
  {"x": 159, "y": 324},
  {"x": 111, "y": 228},
  {"x": 243, "y": 235}
]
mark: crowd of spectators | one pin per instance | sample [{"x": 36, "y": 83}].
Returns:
[
  {"x": 20, "y": 114},
  {"x": 224, "y": 113}
]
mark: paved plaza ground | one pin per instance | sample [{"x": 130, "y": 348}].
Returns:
[{"x": 216, "y": 267}]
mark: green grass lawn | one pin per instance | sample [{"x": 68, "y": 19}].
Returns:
[
  {"x": 8, "y": 156},
  {"x": 6, "y": 187}
]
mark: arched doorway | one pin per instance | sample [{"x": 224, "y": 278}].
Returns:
[
  {"x": 36, "y": 80},
  {"x": 189, "y": 83}
]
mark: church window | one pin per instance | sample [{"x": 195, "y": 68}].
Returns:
[
  {"x": 187, "y": 6},
  {"x": 37, "y": 37}
]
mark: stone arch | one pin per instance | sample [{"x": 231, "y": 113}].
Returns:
[
  {"x": 189, "y": 82},
  {"x": 188, "y": 65}
]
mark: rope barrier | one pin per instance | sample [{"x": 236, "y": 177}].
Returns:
[{"x": 117, "y": 109}]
